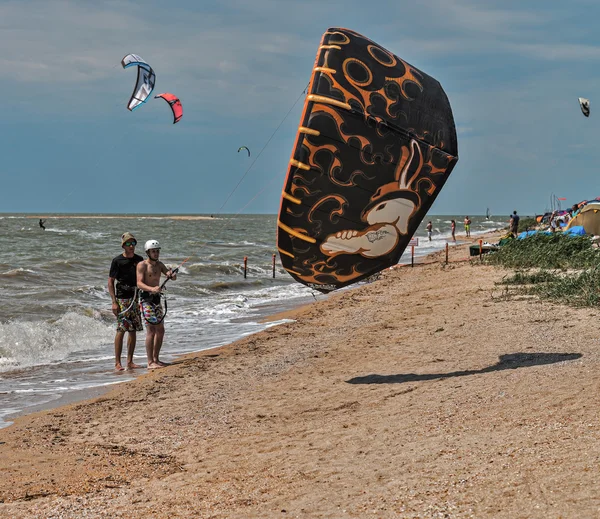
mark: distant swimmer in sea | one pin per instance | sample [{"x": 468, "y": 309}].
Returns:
[
  {"x": 42, "y": 222},
  {"x": 123, "y": 295},
  {"x": 148, "y": 283}
]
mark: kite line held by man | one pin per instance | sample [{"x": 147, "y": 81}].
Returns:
[{"x": 149, "y": 273}]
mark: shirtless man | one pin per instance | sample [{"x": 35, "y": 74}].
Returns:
[
  {"x": 148, "y": 282},
  {"x": 429, "y": 230}
]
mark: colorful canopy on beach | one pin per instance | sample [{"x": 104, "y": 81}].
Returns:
[
  {"x": 145, "y": 80},
  {"x": 375, "y": 145},
  {"x": 588, "y": 217},
  {"x": 175, "y": 105}
]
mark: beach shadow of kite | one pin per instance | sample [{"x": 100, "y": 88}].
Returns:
[{"x": 508, "y": 361}]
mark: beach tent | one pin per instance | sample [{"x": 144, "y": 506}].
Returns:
[{"x": 588, "y": 217}]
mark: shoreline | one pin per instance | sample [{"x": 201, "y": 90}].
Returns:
[
  {"x": 426, "y": 393},
  {"x": 121, "y": 217},
  {"x": 265, "y": 315},
  {"x": 81, "y": 395}
]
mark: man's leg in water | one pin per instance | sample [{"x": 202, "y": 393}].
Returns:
[
  {"x": 150, "y": 334},
  {"x": 158, "y": 340},
  {"x": 130, "y": 349},
  {"x": 118, "y": 350}
]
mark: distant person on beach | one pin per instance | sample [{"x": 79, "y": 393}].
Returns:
[
  {"x": 42, "y": 222},
  {"x": 123, "y": 273},
  {"x": 553, "y": 222},
  {"x": 574, "y": 210},
  {"x": 514, "y": 223},
  {"x": 467, "y": 223},
  {"x": 148, "y": 282},
  {"x": 429, "y": 230},
  {"x": 453, "y": 229}
]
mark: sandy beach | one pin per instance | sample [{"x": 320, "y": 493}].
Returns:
[{"x": 426, "y": 394}]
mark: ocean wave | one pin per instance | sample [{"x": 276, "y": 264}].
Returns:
[
  {"x": 221, "y": 285},
  {"x": 80, "y": 232},
  {"x": 18, "y": 272},
  {"x": 216, "y": 268},
  {"x": 27, "y": 343}
]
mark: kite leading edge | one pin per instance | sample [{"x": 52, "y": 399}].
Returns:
[
  {"x": 174, "y": 103},
  {"x": 584, "y": 104},
  {"x": 145, "y": 80}
]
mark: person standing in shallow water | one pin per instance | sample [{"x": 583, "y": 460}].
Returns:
[
  {"x": 148, "y": 282},
  {"x": 429, "y": 229},
  {"x": 122, "y": 290},
  {"x": 453, "y": 229},
  {"x": 467, "y": 223}
]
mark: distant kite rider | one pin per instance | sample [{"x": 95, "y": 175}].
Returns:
[{"x": 42, "y": 222}]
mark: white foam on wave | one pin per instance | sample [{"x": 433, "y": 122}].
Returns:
[
  {"x": 17, "y": 271},
  {"x": 80, "y": 232},
  {"x": 25, "y": 343}
]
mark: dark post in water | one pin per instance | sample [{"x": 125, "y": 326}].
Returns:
[
  {"x": 273, "y": 266},
  {"x": 245, "y": 266}
]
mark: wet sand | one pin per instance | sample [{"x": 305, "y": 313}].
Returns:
[{"x": 428, "y": 393}]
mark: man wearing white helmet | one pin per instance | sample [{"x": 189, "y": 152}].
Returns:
[{"x": 148, "y": 282}]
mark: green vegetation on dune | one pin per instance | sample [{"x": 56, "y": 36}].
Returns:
[
  {"x": 527, "y": 223},
  {"x": 554, "y": 267},
  {"x": 547, "y": 251}
]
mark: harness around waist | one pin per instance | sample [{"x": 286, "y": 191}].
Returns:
[
  {"x": 149, "y": 297},
  {"x": 124, "y": 287}
]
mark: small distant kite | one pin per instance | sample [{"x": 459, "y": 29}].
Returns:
[
  {"x": 244, "y": 148},
  {"x": 175, "y": 105},
  {"x": 145, "y": 80},
  {"x": 584, "y": 104}
]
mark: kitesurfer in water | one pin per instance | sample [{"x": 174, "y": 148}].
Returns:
[
  {"x": 123, "y": 272},
  {"x": 148, "y": 282},
  {"x": 42, "y": 222}
]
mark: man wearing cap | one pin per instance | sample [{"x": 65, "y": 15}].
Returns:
[{"x": 123, "y": 272}]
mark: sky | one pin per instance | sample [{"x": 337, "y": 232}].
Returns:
[{"x": 512, "y": 70}]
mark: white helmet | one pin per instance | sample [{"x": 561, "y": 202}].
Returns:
[{"x": 151, "y": 244}]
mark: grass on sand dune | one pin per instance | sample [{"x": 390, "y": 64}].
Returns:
[{"x": 555, "y": 267}]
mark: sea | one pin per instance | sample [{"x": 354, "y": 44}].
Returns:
[{"x": 56, "y": 325}]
